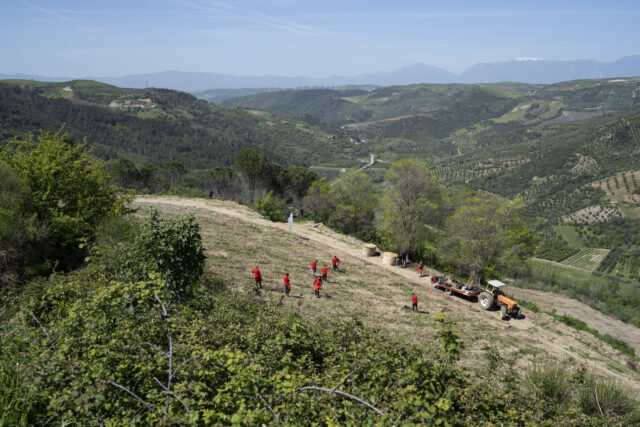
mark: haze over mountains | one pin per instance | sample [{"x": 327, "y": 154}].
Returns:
[{"x": 526, "y": 70}]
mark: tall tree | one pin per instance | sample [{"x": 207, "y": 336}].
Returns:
[
  {"x": 300, "y": 179},
  {"x": 254, "y": 167},
  {"x": 484, "y": 235},
  {"x": 411, "y": 203},
  {"x": 355, "y": 201}
]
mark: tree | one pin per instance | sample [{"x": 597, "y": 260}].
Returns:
[
  {"x": 354, "y": 198},
  {"x": 125, "y": 173},
  {"x": 254, "y": 167},
  {"x": 300, "y": 179},
  {"x": 172, "y": 172},
  {"x": 69, "y": 192},
  {"x": 484, "y": 235},
  {"x": 224, "y": 182},
  {"x": 318, "y": 200},
  {"x": 411, "y": 202}
]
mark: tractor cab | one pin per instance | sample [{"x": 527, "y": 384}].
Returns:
[{"x": 495, "y": 287}]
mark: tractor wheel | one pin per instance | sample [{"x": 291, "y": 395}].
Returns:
[
  {"x": 503, "y": 312},
  {"x": 486, "y": 300}
]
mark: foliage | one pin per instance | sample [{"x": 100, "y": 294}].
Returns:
[
  {"x": 255, "y": 169},
  {"x": 171, "y": 248},
  {"x": 68, "y": 192},
  {"x": 300, "y": 179},
  {"x": 411, "y": 203},
  {"x": 273, "y": 208},
  {"x": 318, "y": 200},
  {"x": 484, "y": 235},
  {"x": 355, "y": 201}
]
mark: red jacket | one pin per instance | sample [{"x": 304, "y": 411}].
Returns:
[
  {"x": 256, "y": 273},
  {"x": 414, "y": 298},
  {"x": 317, "y": 284},
  {"x": 334, "y": 261},
  {"x": 286, "y": 282},
  {"x": 324, "y": 270},
  {"x": 313, "y": 265}
]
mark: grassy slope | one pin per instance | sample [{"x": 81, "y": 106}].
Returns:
[{"x": 237, "y": 239}]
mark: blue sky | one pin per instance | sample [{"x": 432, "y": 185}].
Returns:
[{"x": 75, "y": 38}]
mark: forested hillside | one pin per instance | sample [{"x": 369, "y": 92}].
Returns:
[{"x": 157, "y": 125}]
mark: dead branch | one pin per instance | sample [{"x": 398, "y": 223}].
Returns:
[
  {"x": 146, "y": 405},
  {"x": 169, "y": 392},
  {"x": 41, "y": 327},
  {"x": 270, "y": 408},
  {"x": 342, "y": 381},
  {"x": 350, "y": 396},
  {"x": 595, "y": 391}
]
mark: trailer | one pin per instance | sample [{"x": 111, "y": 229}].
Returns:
[{"x": 458, "y": 288}]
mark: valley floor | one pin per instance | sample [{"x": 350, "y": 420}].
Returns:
[{"x": 236, "y": 239}]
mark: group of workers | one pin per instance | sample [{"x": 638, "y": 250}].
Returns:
[{"x": 317, "y": 284}]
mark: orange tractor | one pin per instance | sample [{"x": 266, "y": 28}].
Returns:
[{"x": 493, "y": 296}]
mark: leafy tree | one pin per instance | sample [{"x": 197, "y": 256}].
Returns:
[
  {"x": 484, "y": 235},
  {"x": 318, "y": 200},
  {"x": 224, "y": 182},
  {"x": 69, "y": 192},
  {"x": 148, "y": 177},
  {"x": 254, "y": 167},
  {"x": 173, "y": 172},
  {"x": 300, "y": 179},
  {"x": 411, "y": 203},
  {"x": 354, "y": 198},
  {"x": 124, "y": 173}
]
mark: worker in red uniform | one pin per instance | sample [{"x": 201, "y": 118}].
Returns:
[
  {"x": 287, "y": 284},
  {"x": 414, "y": 299},
  {"x": 420, "y": 269},
  {"x": 325, "y": 269},
  {"x": 335, "y": 263},
  {"x": 257, "y": 276},
  {"x": 313, "y": 267},
  {"x": 316, "y": 286}
]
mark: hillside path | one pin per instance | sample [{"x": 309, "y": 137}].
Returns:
[{"x": 345, "y": 245}]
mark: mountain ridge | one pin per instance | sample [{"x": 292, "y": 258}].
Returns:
[{"x": 525, "y": 70}]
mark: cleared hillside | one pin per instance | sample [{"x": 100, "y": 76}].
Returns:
[{"x": 236, "y": 239}]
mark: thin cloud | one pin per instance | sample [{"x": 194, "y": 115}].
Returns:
[
  {"x": 51, "y": 12},
  {"x": 255, "y": 16}
]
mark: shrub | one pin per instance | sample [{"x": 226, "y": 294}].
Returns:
[
  {"x": 170, "y": 247},
  {"x": 605, "y": 397},
  {"x": 550, "y": 386},
  {"x": 273, "y": 208}
]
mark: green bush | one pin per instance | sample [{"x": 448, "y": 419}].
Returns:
[
  {"x": 273, "y": 208},
  {"x": 605, "y": 397},
  {"x": 171, "y": 248},
  {"x": 69, "y": 193}
]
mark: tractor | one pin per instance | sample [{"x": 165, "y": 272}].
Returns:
[{"x": 493, "y": 297}]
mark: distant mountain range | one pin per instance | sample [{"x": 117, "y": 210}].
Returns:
[{"x": 525, "y": 70}]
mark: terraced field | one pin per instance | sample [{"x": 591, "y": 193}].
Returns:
[{"x": 586, "y": 258}]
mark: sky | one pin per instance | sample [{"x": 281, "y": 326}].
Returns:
[{"x": 80, "y": 38}]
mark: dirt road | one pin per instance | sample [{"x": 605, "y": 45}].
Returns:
[{"x": 537, "y": 330}]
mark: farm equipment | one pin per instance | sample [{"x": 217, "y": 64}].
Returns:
[{"x": 493, "y": 296}]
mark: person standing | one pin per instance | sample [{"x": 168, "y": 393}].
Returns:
[
  {"x": 258, "y": 276},
  {"x": 335, "y": 263},
  {"x": 414, "y": 299},
  {"x": 325, "y": 269},
  {"x": 313, "y": 267},
  {"x": 287, "y": 284},
  {"x": 316, "y": 286},
  {"x": 420, "y": 269}
]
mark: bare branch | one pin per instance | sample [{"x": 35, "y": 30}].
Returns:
[
  {"x": 170, "y": 356},
  {"x": 184, "y": 363},
  {"x": 350, "y": 396},
  {"x": 132, "y": 394},
  {"x": 156, "y": 348},
  {"x": 342, "y": 381},
  {"x": 41, "y": 327},
  {"x": 270, "y": 408},
  {"x": 173, "y": 395},
  {"x": 164, "y": 309}
]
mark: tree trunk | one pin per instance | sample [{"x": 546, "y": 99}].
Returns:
[{"x": 475, "y": 280}]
